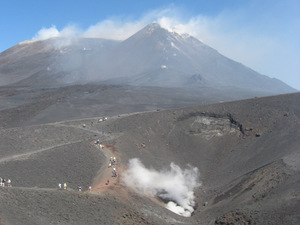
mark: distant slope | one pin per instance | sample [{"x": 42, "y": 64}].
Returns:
[
  {"x": 53, "y": 62},
  {"x": 157, "y": 57},
  {"x": 151, "y": 57}
]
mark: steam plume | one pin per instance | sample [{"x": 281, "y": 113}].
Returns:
[{"x": 174, "y": 185}]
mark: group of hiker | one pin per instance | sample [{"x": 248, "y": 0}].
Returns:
[
  {"x": 100, "y": 120},
  {"x": 65, "y": 187},
  {"x": 4, "y": 181},
  {"x": 79, "y": 188},
  {"x": 113, "y": 162},
  {"x": 97, "y": 142}
]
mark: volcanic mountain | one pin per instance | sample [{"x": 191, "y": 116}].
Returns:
[
  {"x": 151, "y": 57},
  {"x": 148, "y": 102}
]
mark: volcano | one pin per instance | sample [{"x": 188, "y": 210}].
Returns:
[
  {"x": 197, "y": 137},
  {"x": 151, "y": 57}
]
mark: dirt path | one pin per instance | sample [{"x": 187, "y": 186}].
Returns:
[
  {"x": 105, "y": 172},
  {"x": 28, "y": 154},
  {"x": 60, "y": 124}
]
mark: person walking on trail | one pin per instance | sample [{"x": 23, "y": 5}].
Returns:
[
  {"x": 114, "y": 172},
  {"x": 112, "y": 160},
  {"x": 9, "y": 183},
  {"x": 79, "y": 188},
  {"x": 59, "y": 185},
  {"x": 65, "y": 186},
  {"x": 90, "y": 188},
  {"x": 2, "y": 182}
]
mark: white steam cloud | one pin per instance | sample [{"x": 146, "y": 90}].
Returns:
[
  {"x": 69, "y": 31},
  {"x": 46, "y": 33},
  {"x": 174, "y": 185}
]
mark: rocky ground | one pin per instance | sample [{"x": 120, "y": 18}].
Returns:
[{"x": 247, "y": 153}]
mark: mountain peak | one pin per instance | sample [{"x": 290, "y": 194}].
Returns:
[{"x": 153, "y": 27}]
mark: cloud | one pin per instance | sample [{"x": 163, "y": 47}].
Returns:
[
  {"x": 46, "y": 33},
  {"x": 115, "y": 30},
  {"x": 69, "y": 31},
  {"x": 174, "y": 185},
  {"x": 66, "y": 36},
  {"x": 120, "y": 28}
]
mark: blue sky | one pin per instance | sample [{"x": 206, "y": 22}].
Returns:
[{"x": 261, "y": 34}]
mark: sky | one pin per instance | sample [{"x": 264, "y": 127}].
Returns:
[{"x": 261, "y": 34}]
